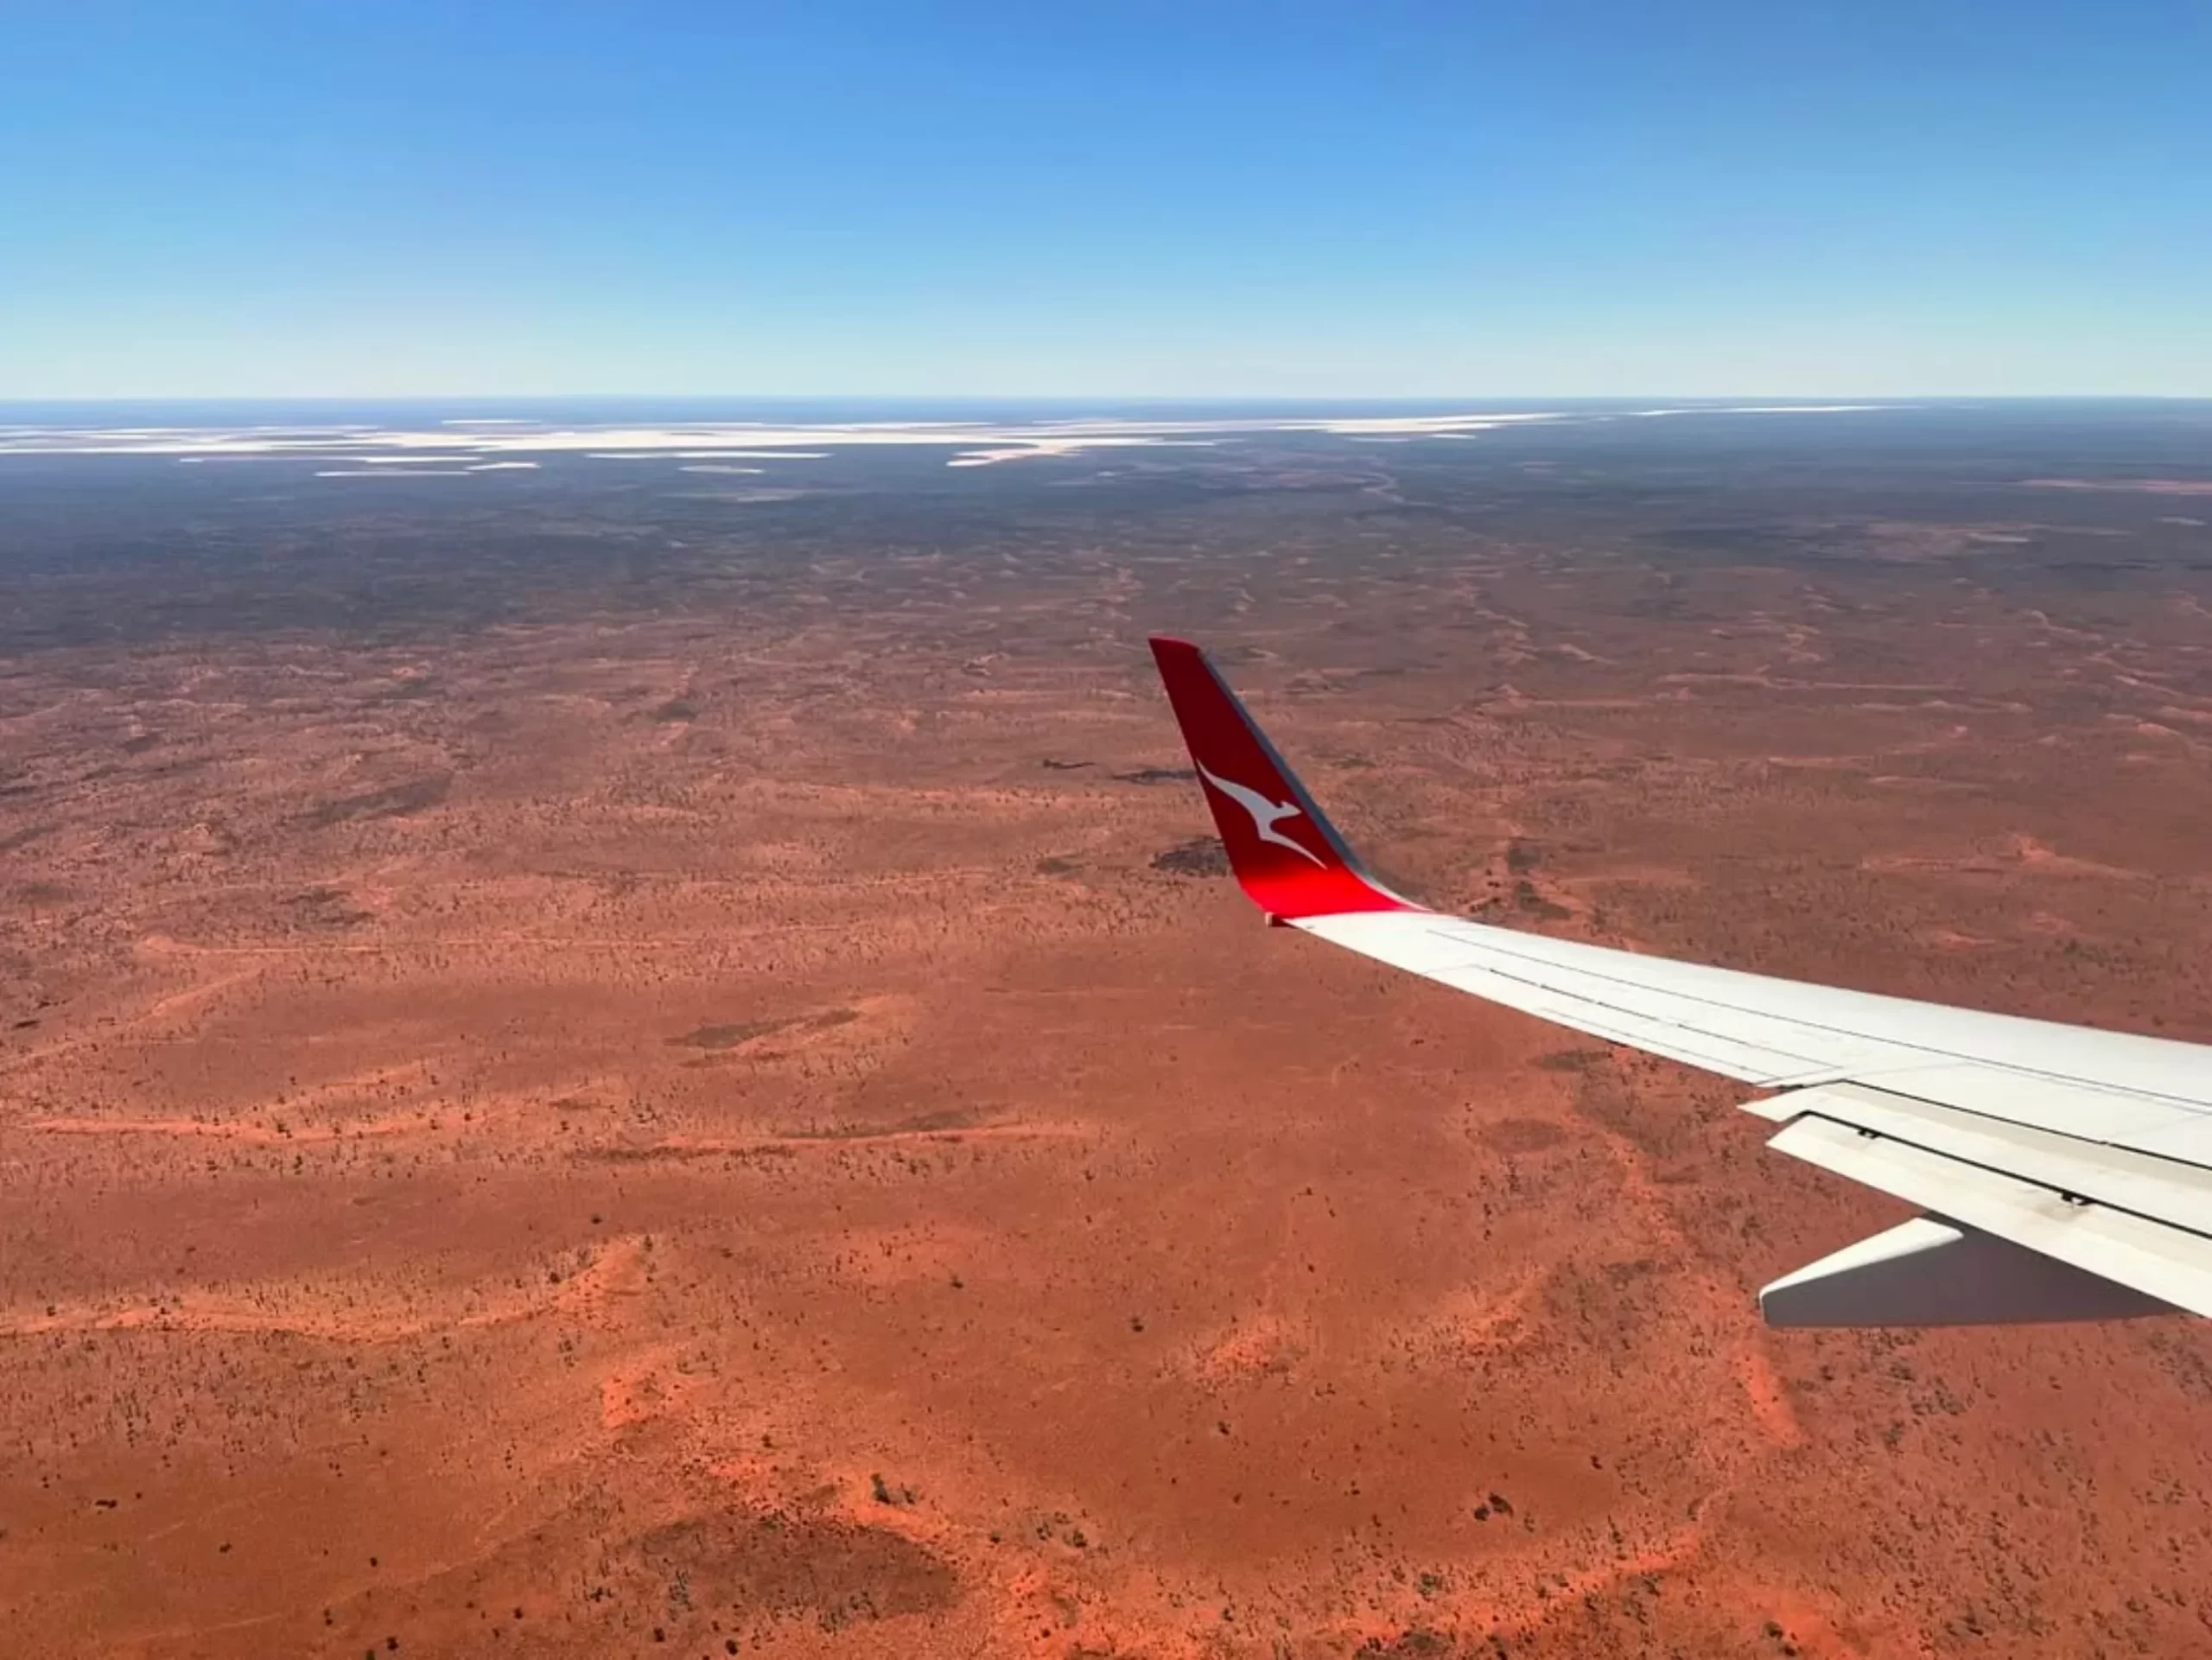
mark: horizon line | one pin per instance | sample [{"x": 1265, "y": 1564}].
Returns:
[{"x": 15, "y": 399}]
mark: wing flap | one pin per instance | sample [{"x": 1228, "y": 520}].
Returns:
[
  {"x": 1926, "y": 1272},
  {"x": 2162, "y": 1190},
  {"x": 2074, "y": 1107},
  {"x": 2160, "y": 1261}
]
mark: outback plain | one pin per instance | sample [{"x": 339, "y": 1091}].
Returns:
[{"x": 618, "y": 1058}]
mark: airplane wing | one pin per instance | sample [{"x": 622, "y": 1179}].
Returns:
[{"x": 2066, "y": 1173}]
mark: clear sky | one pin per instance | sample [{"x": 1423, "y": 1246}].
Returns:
[{"x": 1205, "y": 198}]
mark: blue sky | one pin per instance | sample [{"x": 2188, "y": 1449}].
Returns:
[{"x": 1211, "y": 198}]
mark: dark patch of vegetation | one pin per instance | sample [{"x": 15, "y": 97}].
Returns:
[
  {"x": 1531, "y": 903},
  {"x": 884, "y": 1493},
  {"x": 1419, "y": 1642},
  {"x": 395, "y": 801},
  {"x": 743, "y": 1032},
  {"x": 1052, "y": 766},
  {"x": 731, "y": 1036},
  {"x": 678, "y": 1153},
  {"x": 779, "y": 1564},
  {"x": 2179, "y": 1359},
  {"x": 328, "y": 907},
  {"x": 1570, "y": 1060},
  {"x": 943, "y": 1122},
  {"x": 1511, "y": 1135},
  {"x": 1203, "y": 855},
  {"x": 1156, "y": 775}
]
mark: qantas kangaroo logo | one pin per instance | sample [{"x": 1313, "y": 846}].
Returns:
[{"x": 1265, "y": 813}]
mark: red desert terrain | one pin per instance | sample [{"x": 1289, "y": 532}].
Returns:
[{"x": 743, "y": 1119}]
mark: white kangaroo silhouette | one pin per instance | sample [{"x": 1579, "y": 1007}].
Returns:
[{"x": 1264, "y": 812}]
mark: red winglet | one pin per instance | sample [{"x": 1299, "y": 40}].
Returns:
[{"x": 1286, "y": 857}]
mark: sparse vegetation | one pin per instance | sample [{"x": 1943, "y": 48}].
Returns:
[{"x": 502, "y": 894}]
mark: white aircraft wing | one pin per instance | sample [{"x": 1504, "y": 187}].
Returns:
[{"x": 2067, "y": 1173}]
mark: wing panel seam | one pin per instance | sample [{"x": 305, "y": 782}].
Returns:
[
  {"x": 1949, "y": 1057},
  {"x": 2067, "y": 1194}
]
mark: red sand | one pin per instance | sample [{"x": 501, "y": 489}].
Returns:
[{"x": 499, "y": 1172}]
